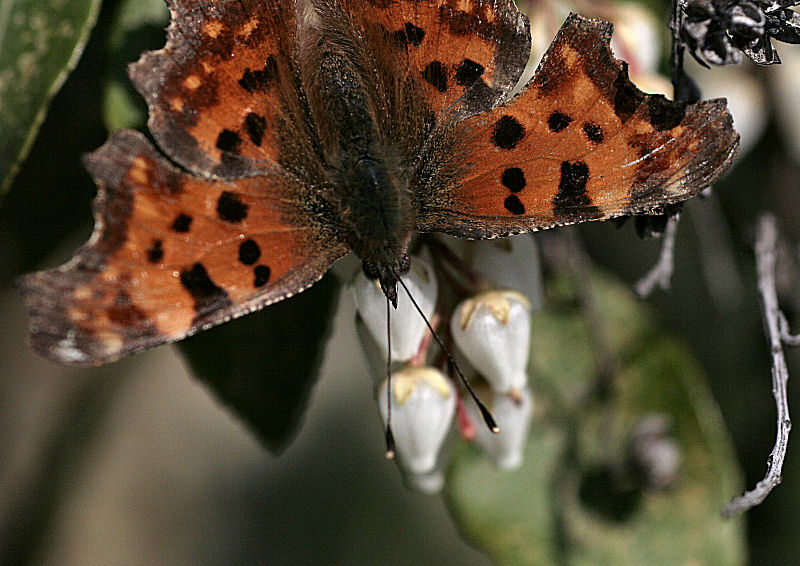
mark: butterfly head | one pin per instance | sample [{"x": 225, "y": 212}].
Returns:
[{"x": 387, "y": 273}]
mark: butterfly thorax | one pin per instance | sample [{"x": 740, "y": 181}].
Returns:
[{"x": 367, "y": 188}]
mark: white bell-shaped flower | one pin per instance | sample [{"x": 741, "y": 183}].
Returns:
[
  {"x": 513, "y": 414},
  {"x": 493, "y": 331},
  {"x": 510, "y": 263},
  {"x": 407, "y": 326},
  {"x": 423, "y": 407},
  {"x": 430, "y": 483},
  {"x": 636, "y": 38}
]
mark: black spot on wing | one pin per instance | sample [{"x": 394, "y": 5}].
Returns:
[
  {"x": 259, "y": 80},
  {"x": 664, "y": 114},
  {"x": 514, "y": 205},
  {"x": 182, "y": 223},
  {"x": 228, "y": 141},
  {"x": 513, "y": 179},
  {"x": 468, "y": 72},
  {"x": 249, "y": 252},
  {"x": 558, "y": 121},
  {"x": 262, "y": 274},
  {"x": 627, "y": 97},
  {"x": 435, "y": 73},
  {"x": 206, "y": 294},
  {"x": 156, "y": 252},
  {"x": 230, "y": 207},
  {"x": 508, "y": 132},
  {"x": 414, "y": 35},
  {"x": 594, "y": 133},
  {"x": 255, "y": 125},
  {"x": 572, "y": 202},
  {"x": 572, "y": 186}
]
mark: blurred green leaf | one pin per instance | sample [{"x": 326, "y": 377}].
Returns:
[
  {"x": 263, "y": 365},
  {"x": 40, "y": 43},
  {"x": 570, "y": 503},
  {"x": 138, "y": 27}
]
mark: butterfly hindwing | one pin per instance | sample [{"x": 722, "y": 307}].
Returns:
[
  {"x": 171, "y": 255},
  {"x": 579, "y": 143}
]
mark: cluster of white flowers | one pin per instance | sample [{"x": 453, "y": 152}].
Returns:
[{"x": 490, "y": 330}]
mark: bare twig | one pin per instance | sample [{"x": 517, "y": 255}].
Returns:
[
  {"x": 661, "y": 273},
  {"x": 676, "y": 57},
  {"x": 787, "y": 337},
  {"x": 765, "y": 250}
]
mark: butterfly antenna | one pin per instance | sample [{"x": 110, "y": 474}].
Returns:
[
  {"x": 390, "y": 446},
  {"x": 487, "y": 416}
]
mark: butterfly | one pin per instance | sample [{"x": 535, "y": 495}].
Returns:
[{"x": 296, "y": 132}]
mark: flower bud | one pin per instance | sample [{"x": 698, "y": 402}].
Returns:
[
  {"x": 407, "y": 326},
  {"x": 430, "y": 483},
  {"x": 510, "y": 263},
  {"x": 636, "y": 37},
  {"x": 493, "y": 331},
  {"x": 423, "y": 406},
  {"x": 513, "y": 414}
]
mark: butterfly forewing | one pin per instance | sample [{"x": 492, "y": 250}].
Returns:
[
  {"x": 171, "y": 254},
  {"x": 223, "y": 93},
  {"x": 580, "y": 143},
  {"x": 449, "y": 46}
]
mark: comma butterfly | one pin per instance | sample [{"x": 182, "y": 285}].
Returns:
[{"x": 308, "y": 129}]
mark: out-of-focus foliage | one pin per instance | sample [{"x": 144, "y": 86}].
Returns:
[
  {"x": 138, "y": 27},
  {"x": 577, "y": 499},
  {"x": 40, "y": 43}
]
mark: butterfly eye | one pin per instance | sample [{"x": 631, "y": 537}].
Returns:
[
  {"x": 493, "y": 331},
  {"x": 423, "y": 407}
]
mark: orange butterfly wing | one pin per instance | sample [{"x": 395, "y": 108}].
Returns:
[
  {"x": 448, "y": 47},
  {"x": 579, "y": 143},
  {"x": 172, "y": 254},
  {"x": 223, "y": 93}
]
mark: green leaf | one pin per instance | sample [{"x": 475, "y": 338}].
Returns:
[
  {"x": 40, "y": 43},
  {"x": 263, "y": 365},
  {"x": 571, "y": 503},
  {"x": 138, "y": 27}
]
